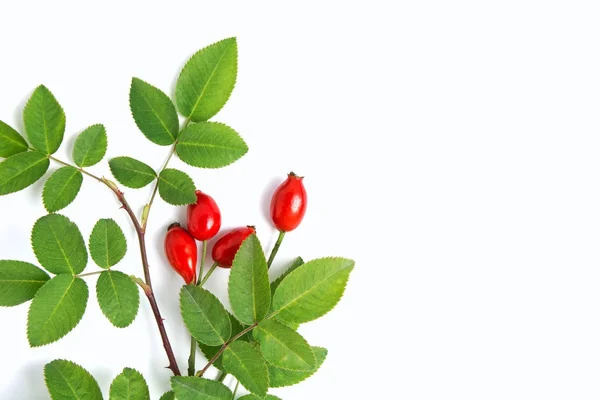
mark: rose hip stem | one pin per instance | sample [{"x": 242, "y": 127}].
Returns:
[{"x": 276, "y": 248}]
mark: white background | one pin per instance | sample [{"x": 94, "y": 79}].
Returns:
[{"x": 450, "y": 148}]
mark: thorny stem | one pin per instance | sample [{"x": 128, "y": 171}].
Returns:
[
  {"x": 148, "y": 283},
  {"x": 276, "y": 248},
  {"x": 222, "y": 349}
]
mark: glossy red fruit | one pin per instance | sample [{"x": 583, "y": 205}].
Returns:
[
  {"x": 182, "y": 253},
  {"x": 204, "y": 217},
  {"x": 288, "y": 204},
  {"x": 225, "y": 248}
]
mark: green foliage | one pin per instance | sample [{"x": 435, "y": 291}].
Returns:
[
  {"x": 118, "y": 298},
  {"x": 207, "y": 80},
  {"x": 210, "y": 145},
  {"x": 56, "y": 309},
  {"x": 153, "y": 112},
  {"x": 107, "y": 243},
  {"x": 58, "y": 245},
  {"x": 298, "y": 261},
  {"x": 176, "y": 187},
  {"x": 68, "y": 381},
  {"x": 249, "y": 290},
  {"x": 193, "y": 388},
  {"x": 244, "y": 362},
  {"x": 44, "y": 121},
  {"x": 279, "y": 377},
  {"x": 284, "y": 347},
  {"x": 312, "y": 290},
  {"x": 204, "y": 315},
  {"x": 131, "y": 172},
  {"x": 129, "y": 385},
  {"x": 168, "y": 396},
  {"x": 61, "y": 188},
  {"x": 22, "y": 170},
  {"x": 90, "y": 146},
  {"x": 11, "y": 142},
  {"x": 255, "y": 397},
  {"x": 210, "y": 351},
  {"x": 19, "y": 282}
]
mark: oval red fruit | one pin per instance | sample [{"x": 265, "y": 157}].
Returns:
[
  {"x": 224, "y": 250},
  {"x": 182, "y": 253},
  {"x": 204, "y": 217},
  {"x": 288, "y": 204}
]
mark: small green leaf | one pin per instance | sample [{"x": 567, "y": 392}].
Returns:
[
  {"x": 58, "y": 245},
  {"x": 312, "y": 290},
  {"x": 255, "y": 397},
  {"x": 210, "y": 351},
  {"x": 56, "y": 309},
  {"x": 118, "y": 298},
  {"x": 249, "y": 291},
  {"x": 193, "y": 388},
  {"x": 279, "y": 377},
  {"x": 298, "y": 261},
  {"x": 204, "y": 315},
  {"x": 244, "y": 362},
  {"x": 176, "y": 187},
  {"x": 61, "y": 188},
  {"x": 90, "y": 146},
  {"x": 207, "y": 80},
  {"x": 22, "y": 170},
  {"x": 168, "y": 396},
  {"x": 107, "y": 243},
  {"x": 129, "y": 385},
  {"x": 11, "y": 142},
  {"x": 68, "y": 381},
  {"x": 284, "y": 347},
  {"x": 19, "y": 282},
  {"x": 131, "y": 172},
  {"x": 210, "y": 145},
  {"x": 153, "y": 112},
  {"x": 44, "y": 121}
]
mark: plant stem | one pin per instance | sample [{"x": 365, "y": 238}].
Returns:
[
  {"x": 222, "y": 376},
  {"x": 208, "y": 274},
  {"x": 225, "y": 345},
  {"x": 237, "y": 385},
  {"x": 90, "y": 273},
  {"x": 155, "y": 189},
  {"x": 192, "y": 358},
  {"x": 142, "y": 242},
  {"x": 202, "y": 259},
  {"x": 276, "y": 248}
]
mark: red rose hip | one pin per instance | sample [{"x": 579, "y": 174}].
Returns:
[
  {"x": 182, "y": 253},
  {"x": 288, "y": 204},
  {"x": 224, "y": 250},
  {"x": 204, "y": 217}
]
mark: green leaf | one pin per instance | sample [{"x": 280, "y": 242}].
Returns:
[
  {"x": 58, "y": 245},
  {"x": 210, "y": 351},
  {"x": 11, "y": 142},
  {"x": 56, "y": 309},
  {"x": 284, "y": 347},
  {"x": 176, "y": 187},
  {"x": 207, "y": 80},
  {"x": 279, "y": 377},
  {"x": 22, "y": 170},
  {"x": 129, "y": 385},
  {"x": 61, "y": 188},
  {"x": 255, "y": 397},
  {"x": 131, "y": 172},
  {"x": 19, "y": 282},
  {"x": 44, "y": 121},
  {"x": 107, "y": 243},
  {"x": 68, "y": 381},
  {"x": 118, "y": 298},
  {"x": 153, "y": 112},
  {"x": 193, "y": 388},
  {"x": 312, "y": 290},
  {"x": 210, "y": 145},
  {"x": 168, "y": 396},
  {"x": 298, "y": 261},
  {"x": 249, "y": 291},
  {"x": 90, "y": 146},
  {"x": 244, "y": 362},
  {"x": 204, "y": 315}
]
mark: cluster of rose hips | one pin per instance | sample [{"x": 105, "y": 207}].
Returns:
[{"x": 288, "y": 206}]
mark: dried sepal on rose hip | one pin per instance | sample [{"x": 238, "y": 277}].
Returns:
[
  {"x": 224, "y": 250},
  {"x": 203, "y": 217},
  {"x": 181, "y": 251},
  {"x": 288, "y": 204}
]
